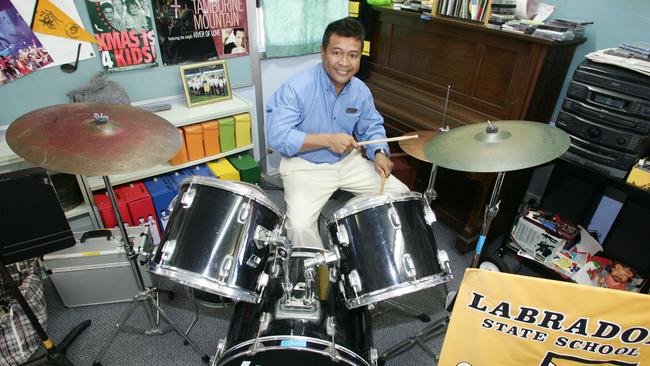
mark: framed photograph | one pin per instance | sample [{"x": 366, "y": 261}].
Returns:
[{"x": 206, "y": 82}]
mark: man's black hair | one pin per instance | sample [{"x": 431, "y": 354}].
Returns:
[{"x": 346, "y": 27}]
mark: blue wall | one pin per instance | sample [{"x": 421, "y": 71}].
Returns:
[
  {"x": 615, "y": 22},
  {"x": 50, "y": 86}
]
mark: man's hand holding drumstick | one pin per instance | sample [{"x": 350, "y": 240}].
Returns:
[{"x": 341, "y": 143}]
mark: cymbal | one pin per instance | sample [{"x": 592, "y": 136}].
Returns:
[
  {"x": 514, "y": 145},
  {"x": 93, "y": 138},
  {"x": 415, "y": 147}
]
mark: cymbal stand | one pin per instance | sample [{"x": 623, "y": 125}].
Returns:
[
  {"x": 147, "y": 297},
  {"x": 491, "y": 211},
  {"x": 430, "y": 193}
]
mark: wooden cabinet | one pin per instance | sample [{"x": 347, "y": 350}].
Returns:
[{"x": 494, "y": 75}]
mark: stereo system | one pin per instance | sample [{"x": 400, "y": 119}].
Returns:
[{"x": 607, "y": 115}]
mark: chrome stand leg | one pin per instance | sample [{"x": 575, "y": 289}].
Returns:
[
  {"x": 430, "y": 331},
  {"x": 410, "y": 310}
]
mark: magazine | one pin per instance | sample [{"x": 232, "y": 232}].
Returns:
[{"x": 608, "y": 273}]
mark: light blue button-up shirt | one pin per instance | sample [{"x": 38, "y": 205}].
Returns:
[{"x": 307, "y": 104}]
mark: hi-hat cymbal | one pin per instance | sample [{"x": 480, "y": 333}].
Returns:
[
  {"x": 93, "y": 138},
  {"x": 415, "y": 147},
  {"x": 512, "y": 145}
]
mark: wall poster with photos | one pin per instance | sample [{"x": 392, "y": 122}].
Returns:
[
  {"x": 125, "y": 33},
  {"x": 205, "y": 83},
  {"x": 21, "y": 52},
  {"x": 199, "y": 30}
]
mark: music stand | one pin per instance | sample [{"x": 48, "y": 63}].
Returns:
[{"x": 32, "y": 223}]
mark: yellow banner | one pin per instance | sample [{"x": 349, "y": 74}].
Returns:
[
  {"x": 510, "y": 320},
  {"x": 49, "y": 19}
]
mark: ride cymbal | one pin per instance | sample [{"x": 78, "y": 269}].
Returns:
[
  {"x": 497, "y": 147},
  {"x": 93, "y": 138},
  {"x": 415, "y": 147}
]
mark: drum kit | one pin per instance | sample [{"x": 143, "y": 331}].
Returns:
[{"x": 227, "y": 238}]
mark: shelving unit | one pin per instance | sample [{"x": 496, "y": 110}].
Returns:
[
  {"x": 179, "y": 115},
  {"x": 97, "y": 183}
]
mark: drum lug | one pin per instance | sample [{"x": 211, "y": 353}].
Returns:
[
  {"x": 409, "y": 266},
  {"x": 168, "y": 249},
  {"x": 443, "y": 260},
  {"x": 354, "y": 280},
  {"x": 342, "y": 289},
  {"x": 188, "y": 197},
  {"x": 262, "y": 281},
  {"x": 263, "y": 237},
  {"x": 394, "y": 218},
  {"x": 374, "y": 357},
  {"x": 333, "y": 274},
  {"x": 342, "y": 235},
  {"x": 429, "y": 215},
  {"x": 225, "y": 268},
  {"x": 244, "y": 211}
]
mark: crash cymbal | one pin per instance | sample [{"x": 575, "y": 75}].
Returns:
[
  {"x": 415, "y": 147},
  {"x": 93, "y": 138},
  {"x": 506, "y": 146}
]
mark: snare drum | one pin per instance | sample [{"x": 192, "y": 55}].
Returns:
[
  {"x": 264, "y": 334},
  {"x": 209, "y": 243},
  {"x": 387, "y": 247}
]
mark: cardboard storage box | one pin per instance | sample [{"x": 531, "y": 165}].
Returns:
[
  {"x": 222, "y": 169},
  {"x": 194, "y": 142},
  {"x": 249, "y": 169},
  {"x": 181, "y": 155},
  {"x": 211, "y": 138},
  {"x": 162, "y": 193},
  {"x": 97, "y": 270},
  {"x": 106, "y": 212},
  {"x": 227, "y": 134},
  {"x": 243, "y": 129}
]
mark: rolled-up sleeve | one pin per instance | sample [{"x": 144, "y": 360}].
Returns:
[
  {"x": 283, "y": 114},
  {"x": 371, "y": 126}
]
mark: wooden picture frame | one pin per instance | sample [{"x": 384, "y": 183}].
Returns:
[{"x": 206, "y": 82}]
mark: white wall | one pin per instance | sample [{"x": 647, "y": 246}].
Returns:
[{"x": 274, "y": 72}]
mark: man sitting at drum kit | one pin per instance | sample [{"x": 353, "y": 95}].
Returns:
[{"x": 315, "y": 120}]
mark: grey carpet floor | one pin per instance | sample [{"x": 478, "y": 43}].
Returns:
[{"x": 389, "y": 327}]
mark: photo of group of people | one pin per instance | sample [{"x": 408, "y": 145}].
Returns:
[
  {"x": 205, "y": 83},
  {"x": 21, "y": 53},
  {"x": 120, "y": 15}
]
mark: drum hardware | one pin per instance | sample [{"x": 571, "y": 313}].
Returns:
[
  {"x": 331, "y": 331},
  {"x": 265, "y": 319},
  {"x": 502, "y": 147},
  {"x": 77, "y": 139}
]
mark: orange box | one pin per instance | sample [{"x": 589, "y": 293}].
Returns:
[
  {"x": 181, "y": 155},
  {"x": 211, "y": 138},
  {"x": 194, "y": 141}
]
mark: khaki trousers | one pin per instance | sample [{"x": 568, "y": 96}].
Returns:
[{"x": 308, "y": 186}]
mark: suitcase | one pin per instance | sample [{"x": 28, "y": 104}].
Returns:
[{"x": 97, "y": 270}]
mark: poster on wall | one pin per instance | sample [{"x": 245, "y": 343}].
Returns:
[
  {"x": 62, "y": 50},
  {"x": 124, "y": 31},
  {"x": 21, "y": 53},
  {"x": 199, "y": 30}
]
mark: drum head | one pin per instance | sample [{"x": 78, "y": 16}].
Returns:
[
  {"x": 241, "y": 188},
  {"x": 367, "y": 201}
]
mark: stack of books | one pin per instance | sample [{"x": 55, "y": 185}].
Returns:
[
  {"x": 463, "y": 9},
  {"x": 503, "y": 11}
]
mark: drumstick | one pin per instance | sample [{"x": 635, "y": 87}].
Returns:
[
  {"x": 400, "y": 138},
  {"x": 381, "y": 185}
]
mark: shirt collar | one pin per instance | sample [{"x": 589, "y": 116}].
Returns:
[{"x": 327, "y": 83}]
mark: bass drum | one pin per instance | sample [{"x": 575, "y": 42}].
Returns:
[
  {"x": 209, "y": 243},
  {"x": 258, "y": 335}
]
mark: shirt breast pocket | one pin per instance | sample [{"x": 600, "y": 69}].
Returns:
[{"x": 349, "y": 120}]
